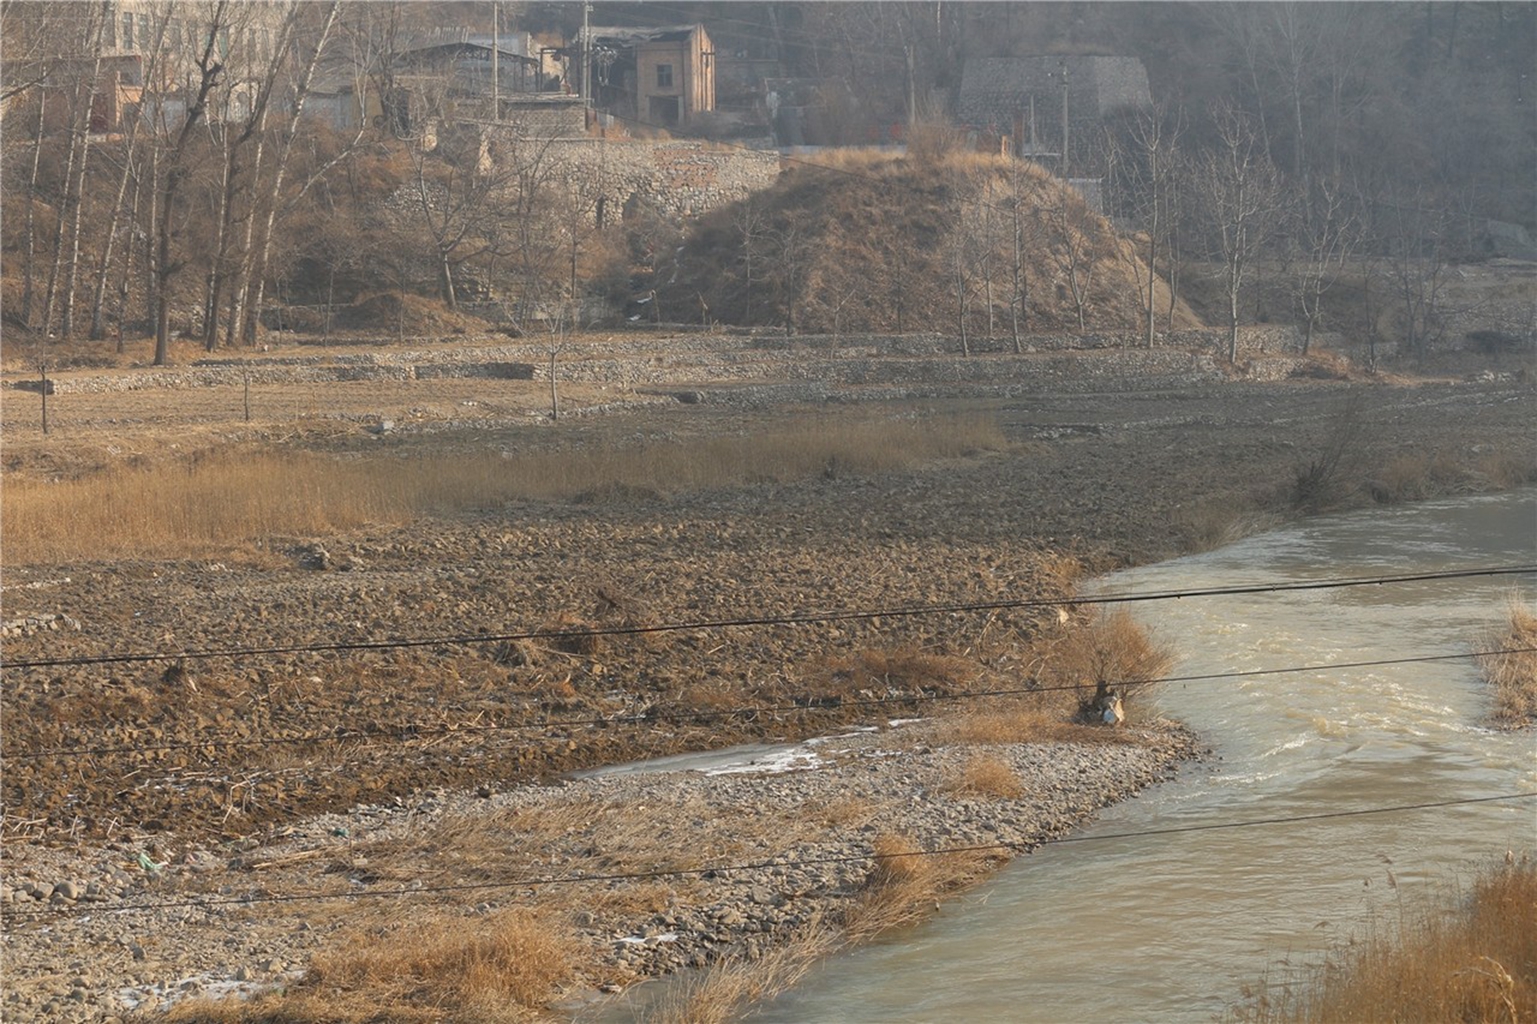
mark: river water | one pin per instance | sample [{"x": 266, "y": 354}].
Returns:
[{"x": 1170, "y": 927}]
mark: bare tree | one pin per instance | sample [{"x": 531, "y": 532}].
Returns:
[
  {"x": 131, "y": 172},
  {"x": 1241, "y": 193},
  {"x": 1142, "y": 164},
  {"x": 1024, "y": 233},
  {"x": 86, "y": 73},
  {"x": 1414, "y": 238},
  {"x": 790, "y": 252},
  {"x": 1074, "y": 246},
  {"x": 208, "y": 71},
  {"x": 1327, "y": 231}
]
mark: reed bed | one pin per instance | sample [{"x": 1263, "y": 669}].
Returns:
[
  {"x": 1477, "y": 963},
  {"x": 1513, "y": 675},
  {"x": 212, "y": 505}
]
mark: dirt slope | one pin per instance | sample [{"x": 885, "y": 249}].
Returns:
[{"x": 875, "y": 242}]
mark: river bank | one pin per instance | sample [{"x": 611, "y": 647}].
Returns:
[
  {"x": 686, "y": 868},
  {"x": 209, "y": 762}
]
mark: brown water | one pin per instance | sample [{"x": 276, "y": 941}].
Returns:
[{"x": 1169, "y": 928}]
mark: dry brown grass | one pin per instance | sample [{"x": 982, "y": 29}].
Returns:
[
  {"x": 986, "y": 776},
  {"x": 905, "y": 884},
  {"x": 1479, "y": 964},
  {"x": 1513, "y": 675},
  {"x": 212, "y": 505},
  {"x": 505, "y": 966},
  {"x": 1019, "y": 722},
  {"x": 721, "y": 992},
  {"x": 884, "y": 671}
]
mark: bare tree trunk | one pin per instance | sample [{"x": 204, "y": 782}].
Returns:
[
  {"x": 213, "y": 279},
  {"x": 50, "y": 299},
  {"x": 104, "y": 266},
  {"x": 151, "y": 275},
  {"x": 72, "y": 278},
  {"x": 1017, "y": 299},
  {"x": 29, "y": 260},
  {"x": 165, "y": 270},
  {"x": 257, "y": 275}
]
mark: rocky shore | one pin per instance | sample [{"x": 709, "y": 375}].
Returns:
[{"x": 141, "y": 923}]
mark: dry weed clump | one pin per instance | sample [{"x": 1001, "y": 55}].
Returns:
[
  {"x": 1475, "y": 965},
  {"x": 904, "y": 885},
  {"x": 730, "y": 985},
  {"x": 1513, "y": 675},
  {"x": 505, "y": 966},
  {"x": 1416, "y": 477},
  {"x": 212, "y": 505},
  {"x": 987, "y": 776},
  {"x": 1017, "y": 722}
]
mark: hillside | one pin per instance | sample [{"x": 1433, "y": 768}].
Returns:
[{"x": 876, "y": 242}]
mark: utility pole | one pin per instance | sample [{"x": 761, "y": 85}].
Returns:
[
  {"x": 1064, "y": 119},
  {"x": 586, "y": 58},
  {"x": 496, "y": 64}
]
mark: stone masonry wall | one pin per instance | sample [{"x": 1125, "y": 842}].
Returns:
[{"x": 676, "y": 177}]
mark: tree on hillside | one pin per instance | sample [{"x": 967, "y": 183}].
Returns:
[
  {"x": 1024, "y": 235},
  {"x": 1240, "y": 193},
  {"x": 790, "y": 252},
  {"x": 1073, "y": 243},
  {"x": 1142, "y": 163}
]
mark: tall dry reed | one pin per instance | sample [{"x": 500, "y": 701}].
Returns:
[{"x": 214, "y": 504}]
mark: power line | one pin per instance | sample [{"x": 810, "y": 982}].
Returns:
[
  {"x": 726, "y": 869},
  {"x": 806, "y": 618},
  {"x": 808, "y": 704}
]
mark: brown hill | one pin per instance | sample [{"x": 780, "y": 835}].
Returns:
[{"x": 875, "y": 242}]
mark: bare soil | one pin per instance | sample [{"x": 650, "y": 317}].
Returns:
[
  {"x": 1091, "y": 481},
  {"x": 188, "y": 753}
]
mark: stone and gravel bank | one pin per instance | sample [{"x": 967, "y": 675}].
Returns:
[{"x": 96, "y": 931}]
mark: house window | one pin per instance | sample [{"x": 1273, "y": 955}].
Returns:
[
  {"x": 664, "y": 76},
  {"x": 128, "y": 31}
]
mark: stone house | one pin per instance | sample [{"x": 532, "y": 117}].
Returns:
[{"x": 661, "y": 77}]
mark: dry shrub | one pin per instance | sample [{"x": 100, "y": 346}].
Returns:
[
  {"x": 986, "y": 776},
  {"x": 1416, "y": 477},
  {"x": 1475, "y": 965},
  {"x": 1330, "y": 476},
  {"x": 1320, "y": 365},
  {"x": 1019, "y": 724},
  {"x": 1216, "y": 525},
  {"x": 904, "y": 885},
  {"x": 502, "y": 967},
  {"x": 1111, "y": 651},
  {"x": 1507, "y": 470},
  {"x": 1513, "y": 675}
]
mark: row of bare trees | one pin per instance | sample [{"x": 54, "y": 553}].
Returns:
[
  {"x": 163, "y": 172},
  {"x": 181, "y": 153},
  {"x": 1227, "y": 207}
]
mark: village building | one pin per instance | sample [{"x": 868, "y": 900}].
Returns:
[{"x": 657, "y": 77}]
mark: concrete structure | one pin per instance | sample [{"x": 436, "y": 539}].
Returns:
[
  {"x": 660, "y": 77},
  {"x": 1022, "y": 97}
]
